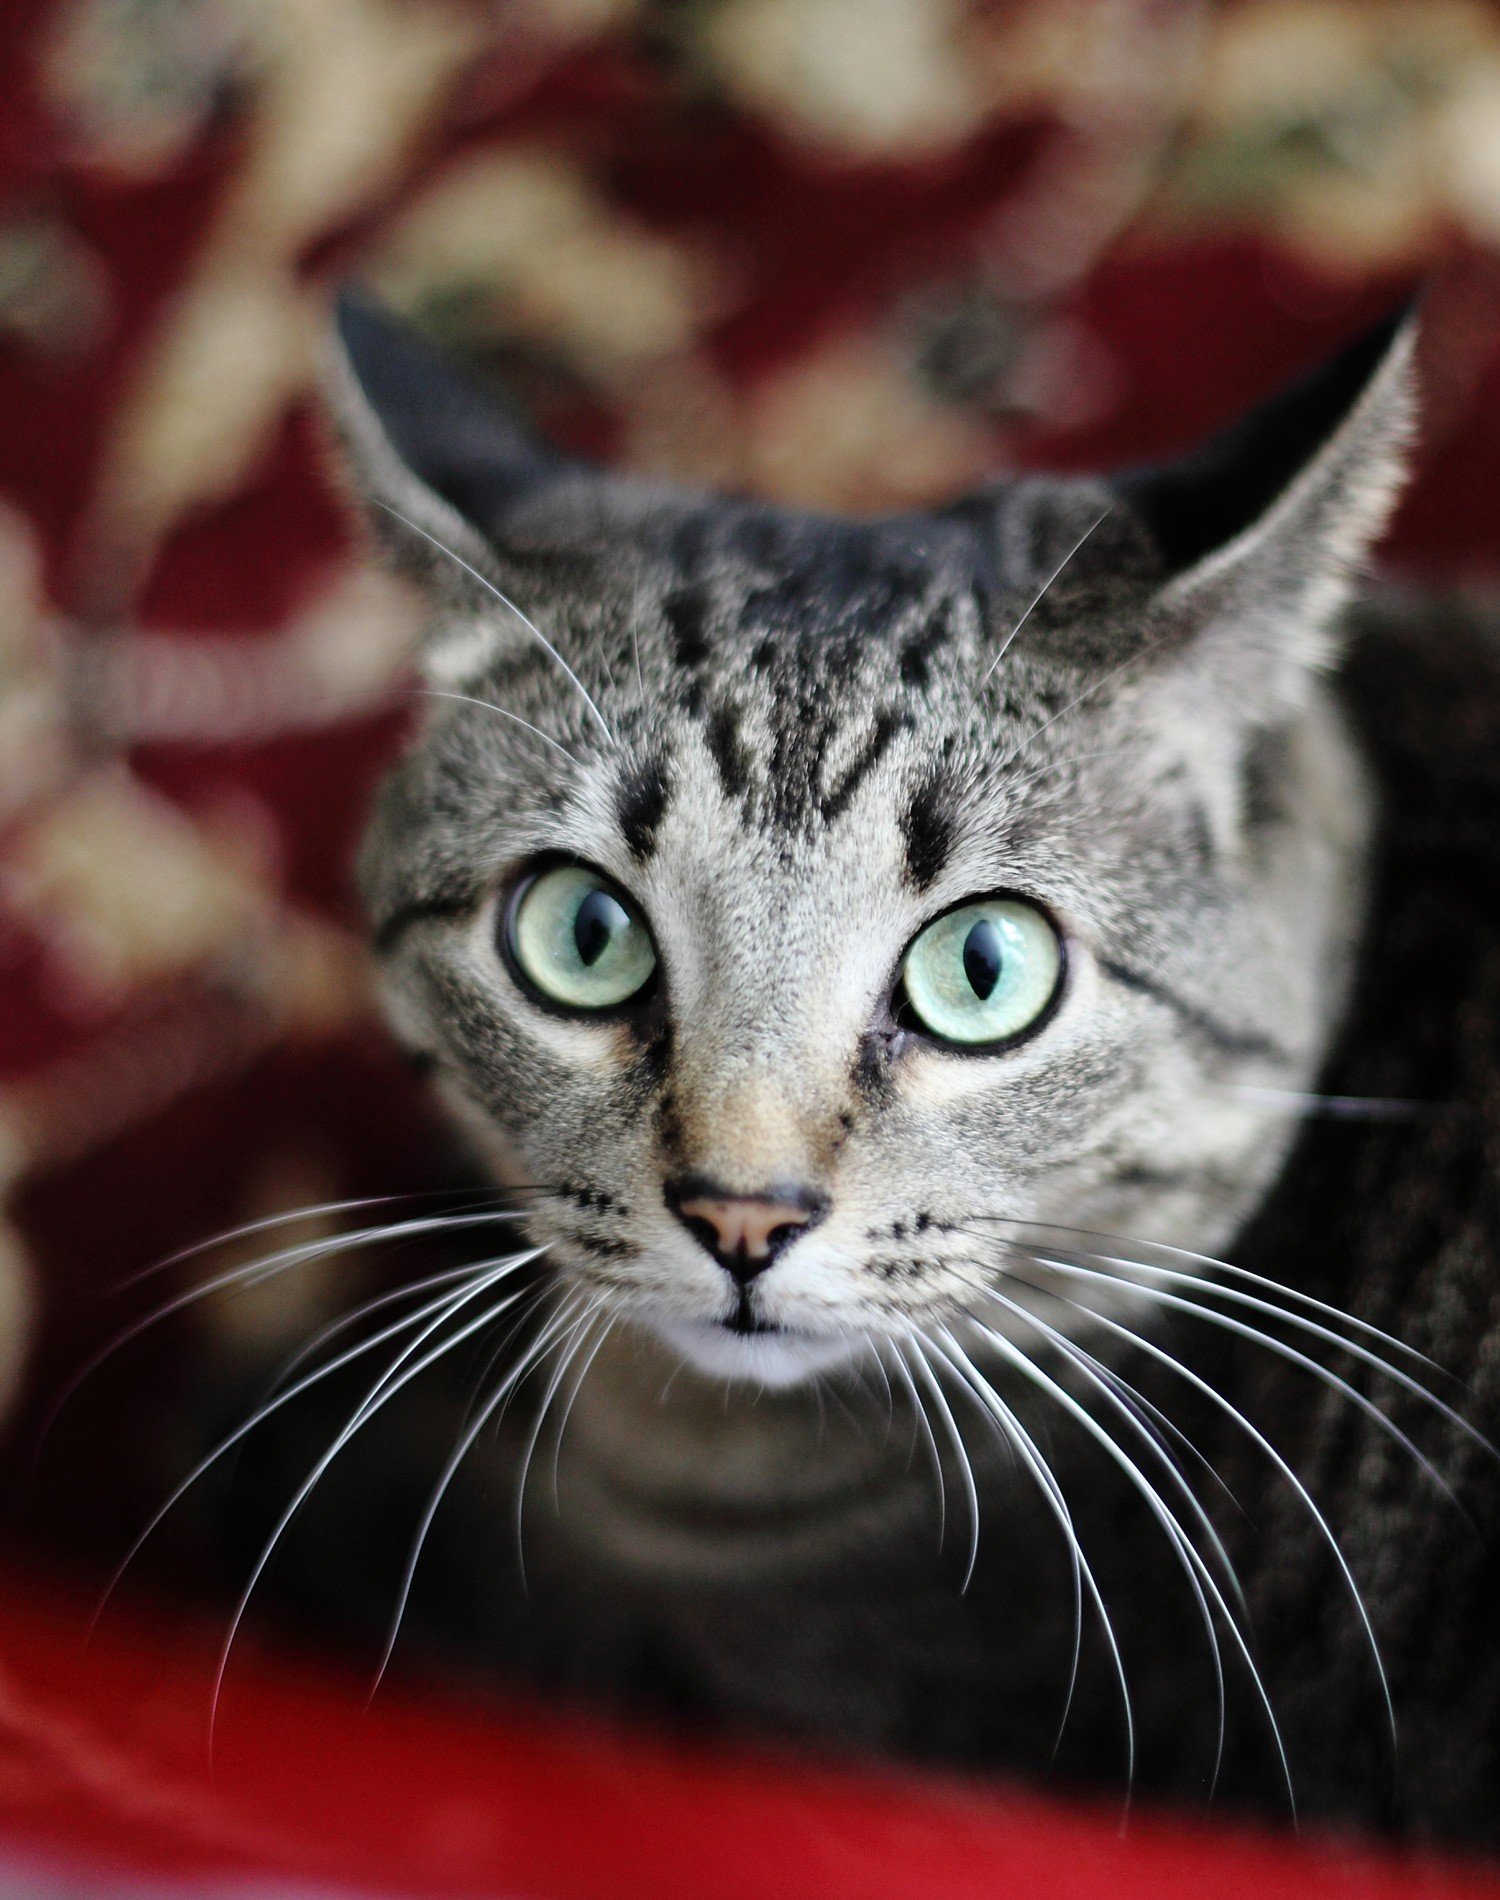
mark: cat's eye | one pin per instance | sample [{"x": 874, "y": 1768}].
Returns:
[
  {"x": 578, "y": 939},
  {"x": 984, "y": 973}
]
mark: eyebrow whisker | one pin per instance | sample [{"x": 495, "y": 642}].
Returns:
[{"x": 505, "y": 601}]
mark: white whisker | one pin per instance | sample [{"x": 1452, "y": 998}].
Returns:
[
  {"x": 1084, "y": 1361},
  {"x": 1362, "y": 1108},
  {"x": 488, "y": 705},
  {"x": 1210, "y": 1269},
  {"x": 872, "y": 1349},
  {"x": 1039, "y": 597},
  {"x": 575, "y": 1389},
  {"x": 635, "y": 639},
  {"x": 364, "y": 1311},
  {"x": 490, "y": 1271},
  {"x": 505, "y": 601},
  {"x": 1201, "y": 1579},
  {"x": 577, "y": 1332},
  {"x": 1096, "y": 685},
  {"x": 496, "y": 1353},
  {"x": 955, "y": 1437},
  {"x": 380, "y": 1394},
  {"x": 318, "y": 1211},
  {"x": 1258, "y": 1438},
  {"x": 461, "y": 1450},
  {"x": 1124, "y": 1399},
  {"x": 1178, "y": 1302},
  {"x": 1066, "y": 760},
  {"x": 1165, "y": 1430},
  {"x": 1004, "y": 1418},
  {"x": 924, "y": 1424},
  {"x": 255, "y": 1272}
]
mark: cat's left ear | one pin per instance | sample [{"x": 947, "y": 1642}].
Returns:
[
  {"x": 435, "y": 462},
  {"x": 1261, "y": 532}
]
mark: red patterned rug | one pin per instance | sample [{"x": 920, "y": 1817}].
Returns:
[{"x": 846, "y": 252}]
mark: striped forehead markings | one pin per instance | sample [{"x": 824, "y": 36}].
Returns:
[
  {"x": 732, "y": 759},
  {"x": 688, "y": 611},
  {"x": 936, "y": 632},
  {"x": 927, "y": 826},
  {"x": 640, "y": 804},
  {"x": 888, "y": 722}
]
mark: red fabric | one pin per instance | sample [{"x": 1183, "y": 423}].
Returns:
[{"x": 104, "y": 1761}]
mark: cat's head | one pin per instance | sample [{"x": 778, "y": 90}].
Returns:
[{"x": 811, "y": 915}]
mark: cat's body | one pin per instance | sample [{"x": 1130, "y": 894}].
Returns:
[{"x": 847, "y": 1453}]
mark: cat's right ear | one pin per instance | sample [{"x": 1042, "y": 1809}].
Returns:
[
  {"x": 1262, "y": 532},
  {"x": 433, "y": 459}
]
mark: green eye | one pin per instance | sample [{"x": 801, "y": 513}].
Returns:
[
  {"x": 984, "y": 973},
  {"x": 579, "y": 939}
]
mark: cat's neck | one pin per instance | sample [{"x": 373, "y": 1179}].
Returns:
[{"x": 665, "y": 1470}]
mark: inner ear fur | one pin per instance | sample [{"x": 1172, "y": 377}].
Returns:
[
  {"x": 433, "y": 459},
  {"x": 1260, "y": 533},
  {"x": 1195, "y": 506},
  {"x": 457, "y": 439}
]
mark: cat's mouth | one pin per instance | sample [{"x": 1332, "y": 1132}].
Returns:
[
  {"x": 742, "y": 1345},
  {"x": 745, "y": 1321}
]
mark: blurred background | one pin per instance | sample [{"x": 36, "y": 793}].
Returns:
[{"x": 848, "y": 253}]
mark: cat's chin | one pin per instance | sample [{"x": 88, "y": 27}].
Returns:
[{"x": 776, "y": 1358}]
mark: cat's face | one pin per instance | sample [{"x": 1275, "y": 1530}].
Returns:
[{"x": 813, "y": 917}]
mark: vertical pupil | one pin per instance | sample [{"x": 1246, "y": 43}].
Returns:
[
  {"x": 982, "y": 959},
  {"x": 599, "y": 918}
]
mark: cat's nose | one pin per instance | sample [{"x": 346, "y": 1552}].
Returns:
[{"x": 745, "y": 1232}]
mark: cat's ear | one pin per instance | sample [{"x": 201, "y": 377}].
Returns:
[
  {"x": 1262, "y": 531},
  {"x": 435, "y": 462}
]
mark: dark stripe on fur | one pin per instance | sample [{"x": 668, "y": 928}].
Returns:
[
  {"x": 918, "y": 650},
  {"x": 641, "y": 804},
  {"x": 389, "y": 933},
  {"x": 888, "y": 722},
  {"x": 927, "y": 826},
  {"x": 729, "y": 755},
  {"x": 688, "y": 610},
  {"x": 1232, "y": 1042}
]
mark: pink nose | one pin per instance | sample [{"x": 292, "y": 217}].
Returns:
[{"x": 745, "y": 1232}]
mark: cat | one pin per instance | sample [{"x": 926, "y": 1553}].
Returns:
[{"x": 990, "y": 1021}]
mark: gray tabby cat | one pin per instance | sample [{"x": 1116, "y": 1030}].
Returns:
[{"x": 889, "y": 962}]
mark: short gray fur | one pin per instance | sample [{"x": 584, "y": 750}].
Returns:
[{"x": 795, "y": 740}]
